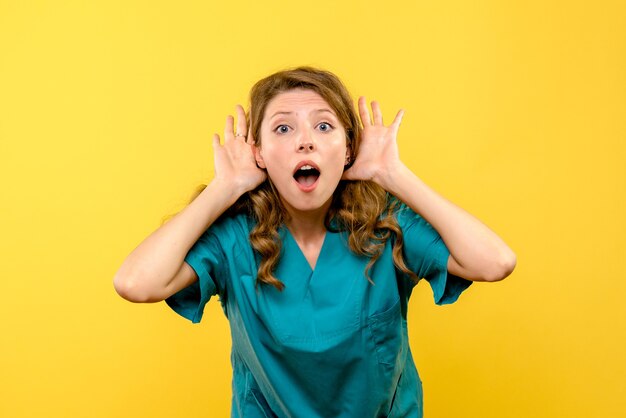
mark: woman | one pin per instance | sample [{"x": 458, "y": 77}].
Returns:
[{"x": 313, "y": 233}]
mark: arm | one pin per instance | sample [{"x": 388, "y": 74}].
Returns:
[
  {"x": 476, "y": 252},
  {"x": 155, "y": 269}
]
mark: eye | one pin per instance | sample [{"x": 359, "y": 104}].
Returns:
[
  {"x": 325, "y": 126},
  {"x": 281, "y": 129}
]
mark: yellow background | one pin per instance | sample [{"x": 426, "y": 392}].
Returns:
[{"x": 515, "y": 111}]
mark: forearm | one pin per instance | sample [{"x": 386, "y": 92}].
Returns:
[
  {"x": 155, "y": 261},
  {"x": 481, "y": 253}
]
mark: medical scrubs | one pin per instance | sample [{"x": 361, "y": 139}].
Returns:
[{"x": 331, "y": 344}]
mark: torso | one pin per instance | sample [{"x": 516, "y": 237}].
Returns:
[{"x": 329, "y": 333}]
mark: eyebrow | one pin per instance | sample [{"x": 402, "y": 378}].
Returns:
[{"x": 315, "y": 111}]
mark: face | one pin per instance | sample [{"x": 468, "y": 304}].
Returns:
[{"x": 303, "y": 147}]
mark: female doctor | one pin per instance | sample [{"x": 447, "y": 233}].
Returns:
[{"x": 313, "y": 233}]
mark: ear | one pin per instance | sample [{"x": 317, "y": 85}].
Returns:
[
  {"x": 347, "y": 160},
  {"x": 258, "y": 157}
]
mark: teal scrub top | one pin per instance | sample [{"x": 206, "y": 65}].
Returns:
[{"x": 331, "y": 344}]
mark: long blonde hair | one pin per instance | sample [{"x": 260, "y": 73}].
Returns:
[{"x": 362, "y": 208}]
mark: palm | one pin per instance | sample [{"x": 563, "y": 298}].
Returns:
[
  {"x": 379, "y": 149},
  {"x": 234, "y": 160}
]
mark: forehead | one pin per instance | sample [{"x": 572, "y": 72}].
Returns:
[{"x": 298, "y": 100}]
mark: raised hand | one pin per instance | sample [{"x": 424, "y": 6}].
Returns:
[
  {"x": 378, "y": 154},
  {"x": 234, "y": 161}
]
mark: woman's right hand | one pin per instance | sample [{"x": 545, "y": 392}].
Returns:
[{"x": 234, "y": 160}]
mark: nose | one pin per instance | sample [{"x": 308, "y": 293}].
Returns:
[
  {"x": 306, "y": 143},
  {"x": 306, "y": 146}
]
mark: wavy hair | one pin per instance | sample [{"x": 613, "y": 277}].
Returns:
[{"x": 362, "y": 208}]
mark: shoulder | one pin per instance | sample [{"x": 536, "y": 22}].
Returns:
[
  {"x": 231, "y": 228},
  {"x": 226, "y": 239},
  {"x": 406, "y": 217},
  {"x": 399, "y": 210}
]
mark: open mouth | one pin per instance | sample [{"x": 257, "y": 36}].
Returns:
[{"x": 306, "y": 175}]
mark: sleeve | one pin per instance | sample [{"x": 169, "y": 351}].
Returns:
[
  {"x": 426, "y": 255},
  {"x": 207, "y": 259}
]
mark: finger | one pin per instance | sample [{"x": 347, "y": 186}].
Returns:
[
  {"x": 242, "y": 126},
  {"x": 398, "y": 119},
  {"x": 250, "y": 139},
  {"x": 216, "y": 141},
  {"x": 253, "y": 155},
  {"x": 228, "y": 128},
  {"x": 378, "y": 115},
  {"x": 363, "y": 112}
]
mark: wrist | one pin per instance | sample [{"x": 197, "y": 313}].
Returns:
[
  {"x": 228, "y": 190},
  {"x": 391, "y": 177}
]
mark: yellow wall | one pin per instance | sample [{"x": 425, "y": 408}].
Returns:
[{"x": 514, "y": 110}]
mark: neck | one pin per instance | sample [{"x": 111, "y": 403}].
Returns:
[{"x": 307, "y": 225}]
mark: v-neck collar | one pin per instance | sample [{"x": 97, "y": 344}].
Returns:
[{"x": 301, "y": 256}]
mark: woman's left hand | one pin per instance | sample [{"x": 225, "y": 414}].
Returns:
[{"x": 378, "y": 153}]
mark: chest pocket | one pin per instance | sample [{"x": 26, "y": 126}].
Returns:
[{"x": 389, "y": 332}]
